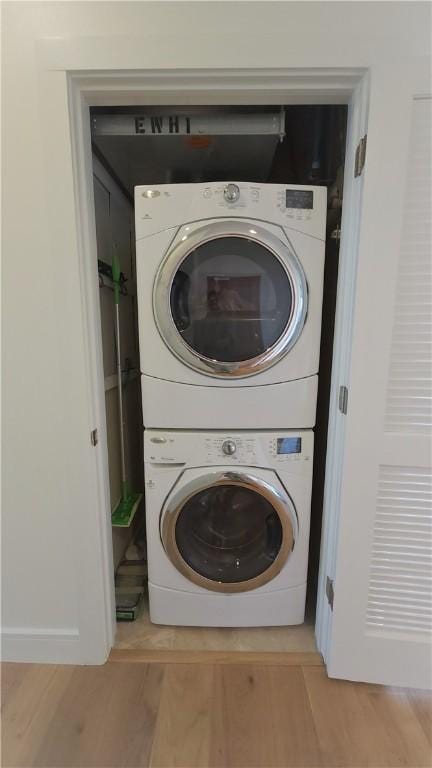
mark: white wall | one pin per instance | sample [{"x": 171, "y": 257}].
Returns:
[{"x": 48, "y": 470}]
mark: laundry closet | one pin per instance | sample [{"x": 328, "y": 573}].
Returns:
[{"x": 224, "y": 269}]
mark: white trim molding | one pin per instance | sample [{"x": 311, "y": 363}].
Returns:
[{"x": 41, "y": 645}]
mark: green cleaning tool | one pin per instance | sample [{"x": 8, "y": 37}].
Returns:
[{"x": 129, "y": 502}]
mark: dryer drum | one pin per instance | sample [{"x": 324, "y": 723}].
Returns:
[
  {"x": 230, "y": 300},
  {"x": 229, "y": 532}
]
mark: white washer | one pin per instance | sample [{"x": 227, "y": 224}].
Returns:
[
  {"x": 229, "y": 282},
  {"x": 228, "y": 518}
]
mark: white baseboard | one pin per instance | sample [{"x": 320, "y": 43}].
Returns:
[{"x": 41, "y": 646}]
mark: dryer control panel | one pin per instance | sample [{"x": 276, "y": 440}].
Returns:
[
  {"x": 287, "y": 449},
  {"x": 165, "y": 206}
]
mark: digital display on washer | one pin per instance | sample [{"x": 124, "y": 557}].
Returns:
[
  {"x": 289, "y": 445},
  {"x": 299, "y": 198}
]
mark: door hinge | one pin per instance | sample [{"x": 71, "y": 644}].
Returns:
[
  {"x": 343, "y": 399},
  {"x": 330, "y": 591},
  {"x": 360, "y": 157},
  {"x": 94, "y": 439}
]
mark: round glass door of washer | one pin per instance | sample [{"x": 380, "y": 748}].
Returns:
[
  {"x": 229, "y": 532},
  {"x": 231, "y": 300}
]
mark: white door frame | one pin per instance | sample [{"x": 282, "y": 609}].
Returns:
[{"x": 251, "y": 87}]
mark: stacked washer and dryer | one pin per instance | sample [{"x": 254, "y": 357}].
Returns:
[{"x": 230, "y": 280}]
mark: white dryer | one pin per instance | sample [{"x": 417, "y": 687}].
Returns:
[
  {"x": 227, "y": 526},
  {"x": 229, "y": 282}
]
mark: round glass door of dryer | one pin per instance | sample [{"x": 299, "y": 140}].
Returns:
[
  {"x": 229, "y": 532},
  {"x": 230, "y": 300}
]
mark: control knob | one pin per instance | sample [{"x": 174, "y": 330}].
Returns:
[
  {"x": 231, "y": 193},
  {"x": 229, "y": 447}
]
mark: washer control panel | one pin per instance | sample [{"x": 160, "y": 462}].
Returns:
[{"x": 256, "y": 449}]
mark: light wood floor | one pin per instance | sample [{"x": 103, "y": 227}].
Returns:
[
  {"x": 193, "y": 715},
  {"x": 143, "y": 635}
]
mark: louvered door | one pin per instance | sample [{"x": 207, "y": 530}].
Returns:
[
  {"x": 382, "y": 621},
  {"x": 399, "y": 596},
  {"x": 409, "y": 403},
  {"x": 401, "y": 566}
]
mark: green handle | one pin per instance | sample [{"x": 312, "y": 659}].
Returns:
[{"x": 116, "y": 272}]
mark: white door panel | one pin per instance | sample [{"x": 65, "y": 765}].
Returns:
[{"x": 382, "y": 615}]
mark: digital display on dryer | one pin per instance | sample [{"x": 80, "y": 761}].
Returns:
[
  {"x": 299, "y": 198},
  {"x": 289, "y": 445}
]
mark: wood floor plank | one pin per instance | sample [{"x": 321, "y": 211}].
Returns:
[
  {"x": 402, "y": 727},
  {"x": 106, "y": 717},
  {"x": 364, "y": 725},
  {"x": 262, "y": 718},
  {"x": 161, "y": 656},
  {"x": 421, "y": 703},
  {"x": 11, "y": 676},
  {"x": 29, "y": 712},
  {"x": 182, "y": 734},
  {"x": 293, "y": 724},
  {"x": 242, "y": 733}
]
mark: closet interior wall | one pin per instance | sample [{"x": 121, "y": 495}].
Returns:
[{"x": 115, "y": 228}]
